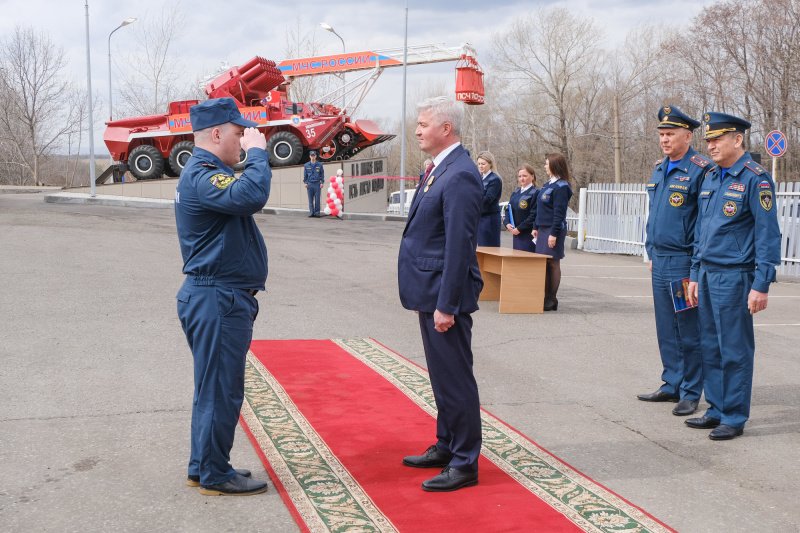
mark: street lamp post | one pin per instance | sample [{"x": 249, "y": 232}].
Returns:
[
  {"x": 125, "y": 22},
  {"x": 89, "y": 91},
  {"x": 328, "y": 27}
]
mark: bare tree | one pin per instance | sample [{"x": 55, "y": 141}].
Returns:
[
  {"x": 152, "y": 75},
  {"x": 546, "y": 56},
  {"x": 300, "y": 42},
  {"x": 37, "y": 110}
]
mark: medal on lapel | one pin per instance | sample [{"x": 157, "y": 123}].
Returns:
[{"x": 428, "y": 185}]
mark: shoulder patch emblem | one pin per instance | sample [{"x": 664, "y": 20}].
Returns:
[
  {"x": 765, "y": 198},
  {"x": 755, "y": 167},
  {"x": 764, "y": 185},
  {"x": 729, "y": 209},
  {"x": 699, "y": 161},
  {"x": 209, "y": 165},
  {"x": 221, "y": 181},
  {"x": 676, "y": 199}
]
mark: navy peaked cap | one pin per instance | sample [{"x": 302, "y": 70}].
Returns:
[
  {"x": 216, "y": 111},
  {"x": 721, "y": 123},
  {"x": 670, "y": 116}
]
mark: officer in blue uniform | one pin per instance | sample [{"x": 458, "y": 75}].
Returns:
[
  {"x": 225, "y": 262},
  {"x": 521, "y": 213},
  {"x": 673, "y": 191},
  {"x": 489, "y": 228},
  {"x": 737, "y": 247},
  {"x": 314, "y": 179},
  {"x": 550, "y": 229}
]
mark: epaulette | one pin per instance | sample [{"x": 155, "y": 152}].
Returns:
[
  {"x": 755, "y": 167},
  {"x": 209, "y": 165},
  {"x": 699, "y": 161},
  {"x": 659, "y": 162}
]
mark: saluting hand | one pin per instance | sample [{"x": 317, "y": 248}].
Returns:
[{"x": 252, "y": 138}]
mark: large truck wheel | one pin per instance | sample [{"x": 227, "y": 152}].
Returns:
[
  {"x": 284, "y": 149},
  {"x": 146, "y": 162},
  {"x": 179, "y": 155}
]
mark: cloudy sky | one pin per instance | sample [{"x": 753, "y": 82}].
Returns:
[{"x": 236, "y": 30}]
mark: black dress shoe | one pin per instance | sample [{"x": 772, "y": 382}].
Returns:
[
  {"x": 194, "y": 481},
  {"x": 450, "y": 479},
  {"x": 703, "y": 422},
  {"x": 238, "y": 486},
  {"x": 432, "y": 458},
  {"x": 658, "y": 396},
  {"x": 685, "y": 407},
  {"x": 311, "y": 215},
  {"x": 725, "y": 432}
]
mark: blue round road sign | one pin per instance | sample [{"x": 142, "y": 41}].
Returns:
[{"x": 775, "y": 143}]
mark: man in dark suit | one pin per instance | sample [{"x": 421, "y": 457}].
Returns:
[{"x": 439, "y": 279}]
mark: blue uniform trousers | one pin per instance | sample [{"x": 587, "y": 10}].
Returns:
[
  {"x": 449, "y": 358},
  {"x": 218, "y": 323},
  {"x": 313, "y": 191},
  {"x": 678, "y": 333},
  {"x": 728, "y": 341},
  {"x": 489, "y": 230}
]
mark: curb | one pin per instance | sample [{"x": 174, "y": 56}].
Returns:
[{"x": 158, "y": 203}]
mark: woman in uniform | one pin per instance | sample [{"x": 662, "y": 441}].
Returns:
[
  {"x": 521, "y": 212},
  {"x": 489, "y": 226},
  {"x": 551, "y": 224}
]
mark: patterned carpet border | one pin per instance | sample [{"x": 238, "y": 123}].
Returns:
[
  {"x": 326, "y": 496},
  {"x": 328, "y": 499},
  {"x": 587, "y": 504}
]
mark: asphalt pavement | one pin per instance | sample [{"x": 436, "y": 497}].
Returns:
[{"x": 96, "y": 376}]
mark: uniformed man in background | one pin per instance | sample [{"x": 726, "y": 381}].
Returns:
[
  {"x": 225, "y": 262},
  {"x": 673, "y": 191},
  {"x": 737, "y": 247},
  {"x": 314, "y": 178}
]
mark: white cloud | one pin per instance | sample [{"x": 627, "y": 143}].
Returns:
[{"x": 237, "y": 30}]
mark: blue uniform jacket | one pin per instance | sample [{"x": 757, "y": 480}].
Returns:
[
  {"x": 313, "y": 172},
  {"x": 220, "y": 242},
  {"x": 673, "y": 205},
  {"x": 551, "y": 206},
  {"x": 737, "y": 224},
  {"x": 437, "y": 267},
  {"x": 493, "y": 188},
  {"x": 523, "y": 208}
]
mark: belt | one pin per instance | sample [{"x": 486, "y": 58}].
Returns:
[{"x": 252, "y": 292}]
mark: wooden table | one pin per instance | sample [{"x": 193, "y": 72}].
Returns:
[{"x": 514, "y": 277}]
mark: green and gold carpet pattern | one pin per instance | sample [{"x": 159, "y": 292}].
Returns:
[
  {"x": 328, "y": 498},
  {"x": 584, "y": 502},
  {"x": 324, "y": 493}
]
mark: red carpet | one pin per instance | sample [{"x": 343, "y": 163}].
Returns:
[{"x": 369, "y": 424}]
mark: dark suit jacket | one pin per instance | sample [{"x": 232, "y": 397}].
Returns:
[
  {"x": 491, "y": 194},
  {"x": 437, "y": 267}
]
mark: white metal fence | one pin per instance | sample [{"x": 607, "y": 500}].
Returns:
[
  {"x": 612, "y": 218},
  {"x": 788, "y": 205},
  {"x": 616, "y": 215}
]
